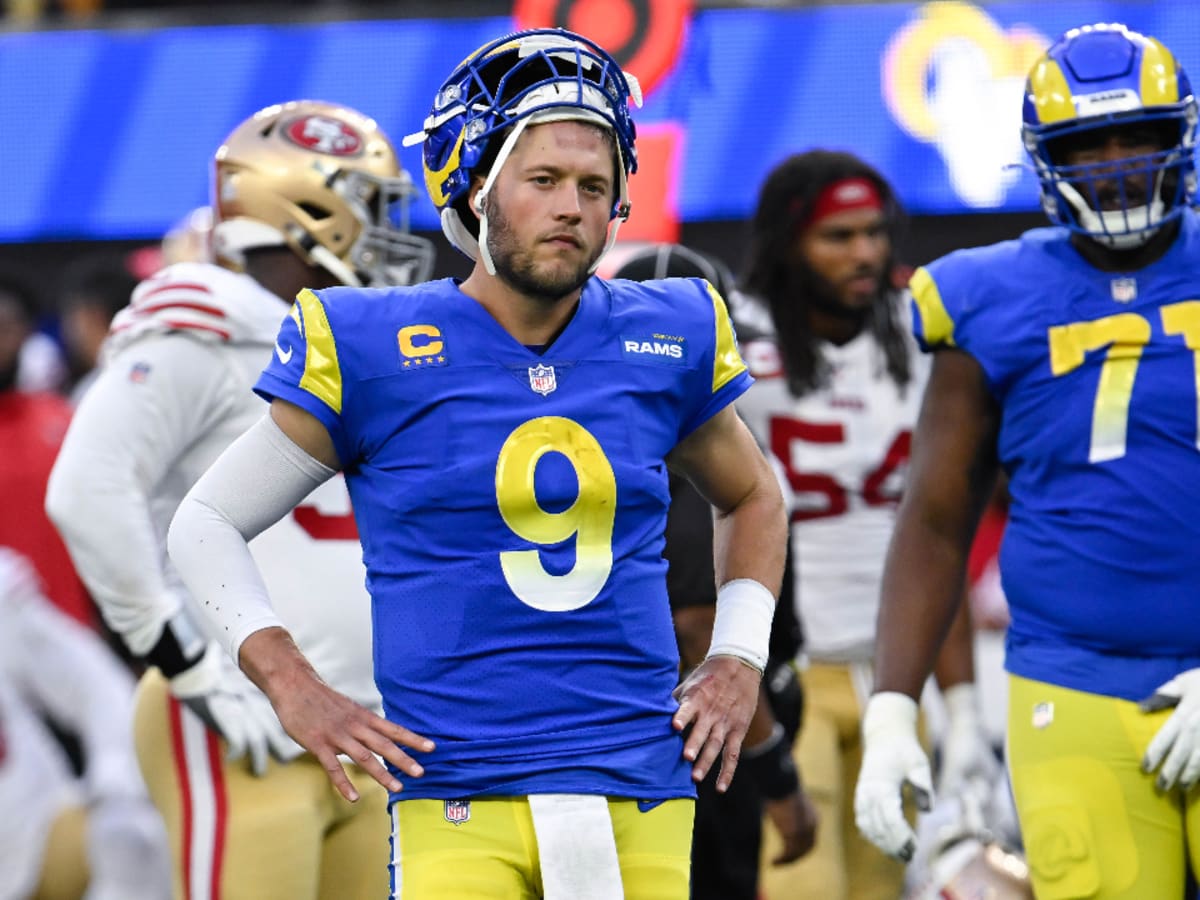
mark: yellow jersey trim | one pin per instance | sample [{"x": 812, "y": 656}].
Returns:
[
  {"x": 727, "y": 362},
  {"x": 322, "y": 375},
  {"x": 936, "y": 325}
]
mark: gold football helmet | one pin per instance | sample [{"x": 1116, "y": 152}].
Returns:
[{"x": 325, "y": 181}]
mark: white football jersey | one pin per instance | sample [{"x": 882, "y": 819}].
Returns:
[
  {"x": 174, "y": 393},
  {"x": 844, "y": 448}
]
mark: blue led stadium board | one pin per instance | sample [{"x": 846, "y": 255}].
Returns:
[{"x": 109, "y": 133}]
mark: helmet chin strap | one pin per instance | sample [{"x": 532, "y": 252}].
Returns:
[
  {"x": 231, "y": 240},
  {"x": 324, "y": 257},
  {"x": 613, "y": 228},
  {"x": 479, "y": 202}
]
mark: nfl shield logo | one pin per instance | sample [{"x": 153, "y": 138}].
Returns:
[
  {"x": 1124, "y": 289},
  {"x": 1043, "y": 715},
  {"x": 458, "y": 811},
  {"x": 541, "y": 379}
]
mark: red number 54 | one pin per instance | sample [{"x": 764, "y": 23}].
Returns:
[{"x": 874, "y": 489}]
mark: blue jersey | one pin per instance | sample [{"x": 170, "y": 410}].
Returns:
[
  {"x": 511, "y": 508},
  {"x": 1096, "y": 374}
]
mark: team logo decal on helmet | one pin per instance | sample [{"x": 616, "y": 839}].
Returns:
[
  {"x": 530, "y": 77},
  {"x": 323, "y": 134},
  {"x": 1106, "y": 76}
]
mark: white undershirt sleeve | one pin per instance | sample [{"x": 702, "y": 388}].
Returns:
[{"x": 259, "y": 478}]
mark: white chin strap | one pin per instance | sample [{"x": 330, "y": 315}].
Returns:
[
  {"x": 1120, "y": 229},
  {"x": 232, "y": 238},
  {"x": 480, "y": 200},
  {"x": 325, "y": 258}
]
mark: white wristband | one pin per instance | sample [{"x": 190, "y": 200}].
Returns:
[{"x": 742, "y": 626}]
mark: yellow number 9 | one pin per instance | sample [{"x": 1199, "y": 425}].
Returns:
[{"x": 590, "y": 518}]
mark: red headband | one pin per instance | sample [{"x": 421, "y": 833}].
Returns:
[{"x": 842, "y": 196}]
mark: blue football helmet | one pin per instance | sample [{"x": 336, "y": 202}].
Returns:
[
  {"x": 1106, "y": 76},
  {"x": 528, "y": 77}
]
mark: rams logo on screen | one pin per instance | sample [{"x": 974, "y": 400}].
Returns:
[{"x": 667, "y": 348}]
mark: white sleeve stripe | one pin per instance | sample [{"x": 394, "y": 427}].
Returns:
[
  {"x": 182, "y": 286},
  {"x": 205, "y": 308},
  {"x": 171, "y": 317},
  {"x": 164, "y": 325}
]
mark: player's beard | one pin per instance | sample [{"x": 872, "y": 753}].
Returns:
[
  {"x": 516, "y": 266},
  {"x": 819, "y": 293}
]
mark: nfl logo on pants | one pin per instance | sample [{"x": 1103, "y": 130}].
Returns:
[{"x": 457, "y": 811}]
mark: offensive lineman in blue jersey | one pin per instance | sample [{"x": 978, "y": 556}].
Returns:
[
  {"x": 1071, "y": 357},
  {"x": 506, "y": 443}
]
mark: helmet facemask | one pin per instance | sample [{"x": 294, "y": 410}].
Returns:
[
  {"x": 1118, "y": 203},
  {"x": 385, "y": 251}
]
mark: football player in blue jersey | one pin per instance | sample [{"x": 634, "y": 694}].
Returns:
[
  {"x": 1069, "y": 358},
  {"x": 506, "y": 440}
]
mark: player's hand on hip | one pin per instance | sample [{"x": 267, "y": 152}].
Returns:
[
  {"x": 232, "y": 707},
  {"x": 327, "y": 723},
  {"x": 1175, "y": 749},
  {"x": 892, "y": 757},
  {"x": 717, "y": 700}
]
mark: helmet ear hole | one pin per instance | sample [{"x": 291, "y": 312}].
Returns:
[{"x": 314, "y": 212}]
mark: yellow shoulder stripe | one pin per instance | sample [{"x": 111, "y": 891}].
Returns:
[
  {"x": 727, "y": 362},
  {"x": 936, "y": 325},
  {"x": 322, "y": 376}
]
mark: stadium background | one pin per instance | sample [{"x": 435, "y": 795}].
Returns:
[{"x": 110, "y": 119}]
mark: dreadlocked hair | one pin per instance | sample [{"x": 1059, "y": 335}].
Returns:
[{"x": 785, "y": 202}]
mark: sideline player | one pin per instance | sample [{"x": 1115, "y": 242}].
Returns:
[{"x": 32, "y": 425}]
